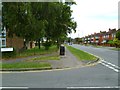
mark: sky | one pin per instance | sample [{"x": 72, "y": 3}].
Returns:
[{"x": 94, "y": 16}]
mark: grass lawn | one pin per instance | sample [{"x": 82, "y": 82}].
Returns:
[
  {"x": 37, "y": 51},
  {"x": 24, "y": 65},
  {"x": 31, "y": 52},
  {"x": 81, "y": 55},
  {"x": 32, "y": 63},
  {"x": 55, "y": 57}
]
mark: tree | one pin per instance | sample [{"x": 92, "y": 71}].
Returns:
[
  {"x": 37, "y": 20},
  {"x": 116, "y": 42}
]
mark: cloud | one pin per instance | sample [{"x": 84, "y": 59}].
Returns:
[{"x": 95, "y": 15}]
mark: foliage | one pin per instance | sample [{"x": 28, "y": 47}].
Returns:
[
  {"x": 37, "y": 51},
  {"x": 78, "y": 40},
  {"x": 116, "y": 42},
  {"x": 47, "y": 45},
  {"x": 32, "y": 21},
  {"x": 118, "y": 34},
  {"x": 111, "y": 42}
]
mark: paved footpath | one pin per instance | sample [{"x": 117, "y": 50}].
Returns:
[{"x": 66, "y": 61}]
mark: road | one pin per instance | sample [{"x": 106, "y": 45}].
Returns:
[
  {"x": 105, "y": 53},
  {"x": 92, "y": 76}
]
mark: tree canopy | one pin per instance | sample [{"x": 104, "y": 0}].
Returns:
[{"x": 34, "y": 20}]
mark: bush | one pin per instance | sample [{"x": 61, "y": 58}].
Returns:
[
  {"x": 116, "y": 42},
  {"x": 9, "y": 54}
]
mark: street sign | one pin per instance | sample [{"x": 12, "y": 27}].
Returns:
[{"x": 6, "y": 49}]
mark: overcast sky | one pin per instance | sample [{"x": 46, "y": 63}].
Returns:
[{"x": 94, "y": 16}]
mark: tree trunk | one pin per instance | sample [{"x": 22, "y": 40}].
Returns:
[{"x": 39, "y": 43}]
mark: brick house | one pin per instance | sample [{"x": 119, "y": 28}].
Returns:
[
  {"x": 96, "y": 38},
  {"x": 102, "y": 38},
  {"x": 16, "y": 42},
  {"x": 92, "y": 39},
  {"x": 112, "y": 34}
]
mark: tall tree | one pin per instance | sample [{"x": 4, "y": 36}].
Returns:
[{"x": 36, "y": 20}]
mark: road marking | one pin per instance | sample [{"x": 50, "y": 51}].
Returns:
[
  {"x": 14, "y": 88},
  {"x": 110, "y": 65},
  {"x": 105, "y": 63},
  {"x": 107, "y": 87}
]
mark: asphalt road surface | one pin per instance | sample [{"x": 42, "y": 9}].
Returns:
[{"x": 100, "y": 75}]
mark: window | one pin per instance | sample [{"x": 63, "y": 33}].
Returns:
[{"x": 3, "y": 42}]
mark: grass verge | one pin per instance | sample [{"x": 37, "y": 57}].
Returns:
[
  {"x": 30, "y": 52},
  {"x": 37, "y": 51},
  {"x": 19, "y": 65},
  {"x": 47, "y": 58},
  {"x": 81, "y": 55}
]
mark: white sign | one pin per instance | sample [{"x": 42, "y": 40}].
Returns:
[{"x": 6, "y": 49}]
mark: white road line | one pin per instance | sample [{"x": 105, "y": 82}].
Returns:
[
  {"x": 111, "y": 64},
  {"x": 107, "y": 64},
  {"x": 107, "y": 87},
  {"x": 116, "y": 70},
  {"x": 14, "y": 88}
]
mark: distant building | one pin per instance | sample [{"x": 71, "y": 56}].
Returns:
[{"x": 101, "y": 38}]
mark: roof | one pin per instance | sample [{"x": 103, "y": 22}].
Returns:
[{"x": 111, "y": 31}]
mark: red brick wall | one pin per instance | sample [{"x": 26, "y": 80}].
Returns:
[
  {"x": 16, "y": 42},
  {"x": 100, "y": 39},
  {"x": 110, "y": 37}
]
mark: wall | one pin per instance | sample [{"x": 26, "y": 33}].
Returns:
[{"x": 16, "y": 42}]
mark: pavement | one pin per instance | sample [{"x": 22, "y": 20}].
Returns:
[{"x": 66, "y": 61}]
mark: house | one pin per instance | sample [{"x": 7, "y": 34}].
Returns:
[
  {"x": 112, "y": 34},
  {"x": 102, "y": 38},
  {"x": 96, "y": 38},
  {"x": 92, "y": 39},
  {"x": 15, "y": 42}
]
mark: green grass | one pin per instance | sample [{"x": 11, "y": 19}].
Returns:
[
  {"x": 32, "y": 63},
  {"x": 81, "y": 55},
  {"x": 37, "y": 51},
  {"x": 24, "y": 65},
  {"x": 47, "y": 58}
]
